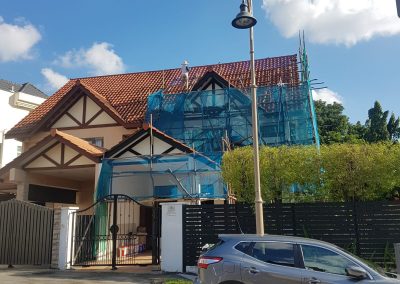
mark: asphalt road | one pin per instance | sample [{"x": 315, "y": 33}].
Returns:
[{"x": 44, "y": 276}]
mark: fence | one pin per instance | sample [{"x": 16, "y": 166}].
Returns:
[
  {"x": 26, "y": 232},
  {"x": 367, "y": 229}
]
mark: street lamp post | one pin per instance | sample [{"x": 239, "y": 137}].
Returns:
[{"x": 245, "y": 20}]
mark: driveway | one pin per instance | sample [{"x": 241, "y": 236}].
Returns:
[{"x": 36, "y": 276}]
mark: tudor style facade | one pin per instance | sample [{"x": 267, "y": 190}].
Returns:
[{"x": 65, "y": 139}]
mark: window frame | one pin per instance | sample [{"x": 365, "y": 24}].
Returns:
[
  {"x": 92, "y": 139},
  {"x": 356, "y": 263},
  {"x": 296, "y": 251}
]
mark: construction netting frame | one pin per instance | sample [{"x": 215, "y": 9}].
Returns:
[
  {"x": 169, "y": 176},
  {"x": 203, "y": 119}
]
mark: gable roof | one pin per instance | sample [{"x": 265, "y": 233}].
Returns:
[
  {"x": 146, "y": 130},
  {"x": 127, "y": 93},
  {"x": 83, "y": 147},
  {"x": 68, "y": 100},
  {"x": 26, "y": 88},
  {"x": 210, "y": 76}
]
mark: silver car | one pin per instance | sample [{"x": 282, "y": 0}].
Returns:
[{"x": 245, "y": 259}]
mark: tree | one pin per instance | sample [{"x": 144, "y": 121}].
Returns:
[
  {"x": 358, "y": 131},
  {"x": 333, "y": 125},
  {"x": 359, "y": 171},
  {"x": 376, "y": 124},
  {"x": 393, "y": 127},
  {"x": 338, "y": 172}
]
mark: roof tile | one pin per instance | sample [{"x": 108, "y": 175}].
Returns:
[{"x": 127, "y": 93}]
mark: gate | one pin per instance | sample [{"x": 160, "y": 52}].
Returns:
[
  {"x": 26, "y": 233},
  {"x": 111, "y": 232}
]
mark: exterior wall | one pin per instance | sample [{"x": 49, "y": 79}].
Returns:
[
  {"x": 13, "y": 115},
  {"x": 84, "y": 189},
  {"x": 85, "y": 194}
]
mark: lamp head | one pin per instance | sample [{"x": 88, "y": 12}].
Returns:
[{"x": 244, "y": 20}]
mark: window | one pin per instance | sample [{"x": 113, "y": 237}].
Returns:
[
  {"x": 274, "y": 253},
  {"x": 19, "y": 150},
  {"x": 323, "y": 260},
  {"x": 97, "y": 141},
  {"x": 243, "y": 246}
]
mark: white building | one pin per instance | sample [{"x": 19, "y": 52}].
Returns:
[{"x": 16, "y": 101}]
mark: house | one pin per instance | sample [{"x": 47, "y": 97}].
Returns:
[
  {"x": 16, "y": 101},
  {"x": 155, "y": 136},
  {"x": 68, "y": 139}
]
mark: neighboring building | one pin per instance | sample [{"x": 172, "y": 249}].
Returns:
[{"x": 16, "y": 101}]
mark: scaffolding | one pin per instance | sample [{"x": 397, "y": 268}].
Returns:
[
  {"x": 211, "y": 122},
  {"x": 204, "y": 119},
  {"x": 190, "y": 176}
]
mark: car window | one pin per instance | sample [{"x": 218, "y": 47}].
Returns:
[
  {"x": 243, "y": 246},
  {"x": 324, "y": 260},
  {"x": 274, "y": 252}
]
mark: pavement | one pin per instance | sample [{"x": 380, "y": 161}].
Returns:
[{"x": 29, "y": 275}]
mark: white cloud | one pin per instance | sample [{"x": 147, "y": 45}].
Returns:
[
  {"x": 334, "y": 21},
  {"x": 327, "y": 96},
  {"x": 16, "y": 41},
  {"x": 100, "y": 58},
  {"x": 54, "y": 80}
]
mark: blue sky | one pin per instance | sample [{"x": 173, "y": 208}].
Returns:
[{"x": 353, "y": 49}]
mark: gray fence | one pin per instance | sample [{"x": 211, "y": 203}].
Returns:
[
  {"x": 26, "y": 232},
  {"x": 368, "y": 229}
]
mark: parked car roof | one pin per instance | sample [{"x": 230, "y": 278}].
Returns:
[{"x": 267, "y": 237}]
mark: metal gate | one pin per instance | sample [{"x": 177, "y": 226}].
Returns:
[
  {"x": 109, "y": 233},
  {"x": 26, "y": 233}
]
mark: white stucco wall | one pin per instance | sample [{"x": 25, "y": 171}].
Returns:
[{"x": 11, "y": 115}]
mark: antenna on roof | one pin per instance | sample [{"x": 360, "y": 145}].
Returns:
[{"x": 185, "y": 73}]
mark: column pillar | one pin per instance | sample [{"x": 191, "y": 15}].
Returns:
[
  {"x": 63, "y": 231},
  {"x": 19, "y": 177},
  {"x": 171, "y": 237}
]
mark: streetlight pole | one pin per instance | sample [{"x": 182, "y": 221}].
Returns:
[{"x": 245, "y": 20}]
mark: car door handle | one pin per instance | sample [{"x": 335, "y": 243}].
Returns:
[
  {"x": 252, "y": 270},
  {"x": 314, "y": 281}
]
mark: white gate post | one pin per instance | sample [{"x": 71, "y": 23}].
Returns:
[
  {"x": 397, "y": 253},
  {"x": 171, "y": 237},
  {"x": 66, "y": 232}
]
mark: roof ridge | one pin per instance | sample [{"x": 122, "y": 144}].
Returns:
[
  {"x": 11, "y": 83},
  {"x": 178, "y": 68},
  {"x": 33, "y": 86}
]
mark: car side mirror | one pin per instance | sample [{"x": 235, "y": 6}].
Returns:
[{"x": 356, "y": 272}]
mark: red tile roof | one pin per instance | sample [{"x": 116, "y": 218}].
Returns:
[
  {"x": 83, "y": 147},
  {"x": 78, "y": 143},
  {"x": 127, "y": 93}
]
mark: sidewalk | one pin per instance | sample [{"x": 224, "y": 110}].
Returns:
[{"x": 24, "y": 275}]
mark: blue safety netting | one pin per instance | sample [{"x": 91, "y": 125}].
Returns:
[
  {"x": 204, "y": 119},
  {"x": 175, "y": 176},
  {"x": 209, "y": 121}
]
